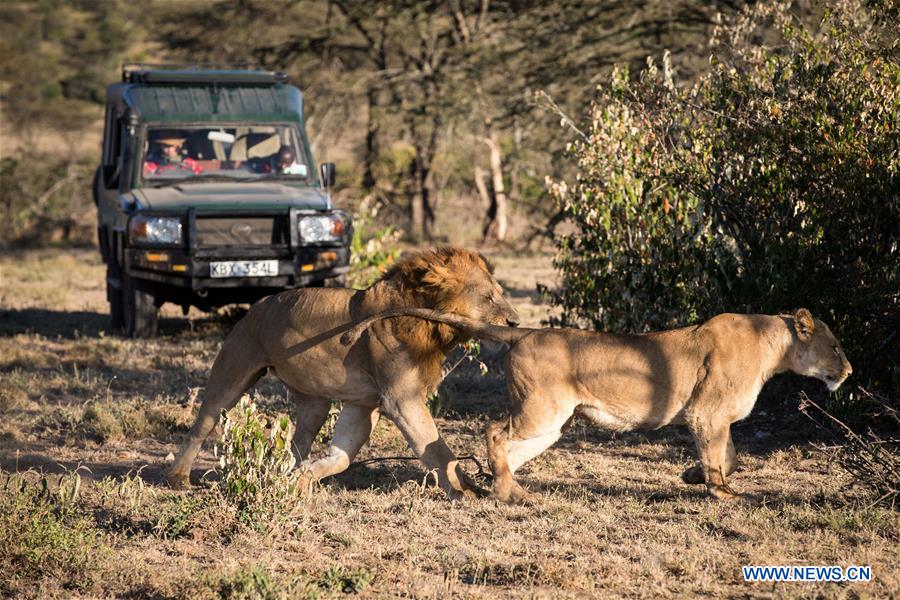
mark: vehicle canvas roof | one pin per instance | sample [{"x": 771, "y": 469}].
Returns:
[{"x": 208, "y": 96}]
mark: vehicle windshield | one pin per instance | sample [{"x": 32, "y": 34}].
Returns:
[{"x": 240, "y": 152}]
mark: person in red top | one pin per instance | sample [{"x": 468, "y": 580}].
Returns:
[{"x": 167, "y": 156}]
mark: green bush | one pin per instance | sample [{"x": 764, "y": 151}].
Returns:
[
  {"x": 771, "y": 183},
  {"x": 255, "y": 458},
  {"x": 372, "y": 249}
]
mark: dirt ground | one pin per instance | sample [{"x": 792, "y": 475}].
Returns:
[{"x": 614, "y": 520}]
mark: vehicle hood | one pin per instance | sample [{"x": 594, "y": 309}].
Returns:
[{"x": 230, "y": 196}]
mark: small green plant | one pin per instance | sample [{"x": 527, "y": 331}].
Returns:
[
  {"x": 327, "y": 429},
  {"x": 439, "y": 401},
  {"x": 372, "y": 249},
  {"x": 42, "y": 532},
  {"x": 248, "y": 584},
  {"x": 255, "y": 458},
  {"x": 345, "y": 580}
]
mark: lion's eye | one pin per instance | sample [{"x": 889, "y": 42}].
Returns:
[{"x": 835, "y": 350}]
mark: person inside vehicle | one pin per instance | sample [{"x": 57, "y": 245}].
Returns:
[
  {"x": 166, "y": 155},
  {"x": 284, "y": 161}
]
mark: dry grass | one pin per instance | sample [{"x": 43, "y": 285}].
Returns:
[{"x": 615, "y": 519}]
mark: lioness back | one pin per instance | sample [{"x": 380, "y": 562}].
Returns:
[{"x": 637, "y": 381}]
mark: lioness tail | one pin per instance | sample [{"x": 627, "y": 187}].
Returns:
[{"x": 479, "y": 329}]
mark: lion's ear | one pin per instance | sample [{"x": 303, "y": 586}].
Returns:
[
  {"x": 804, "y": 324},
  {"x": 488, "y": 264}
]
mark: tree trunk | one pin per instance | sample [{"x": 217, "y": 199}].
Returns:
[
  {"x": 416, "y": 206},
  {"x": 371, "y": 158},
  {"x": 497, "y": 225}
]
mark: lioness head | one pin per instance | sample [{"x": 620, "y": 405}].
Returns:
[
  {"x": 455, "y": 280},
  {"x": 816, "y": 352}
]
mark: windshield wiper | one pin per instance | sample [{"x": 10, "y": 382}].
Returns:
[
  {"x": 284, "y": 176},
  {"x": 200, "y": 179}
]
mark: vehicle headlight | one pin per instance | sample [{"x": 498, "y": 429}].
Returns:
[
  {"x": 322, "y": 228},
  {"x": 155, "y": 230}
]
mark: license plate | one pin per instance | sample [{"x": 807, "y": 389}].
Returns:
[{"x": 244, "y": 268}]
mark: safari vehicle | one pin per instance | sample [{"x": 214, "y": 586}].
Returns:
[{"x": 207, "y": 193}]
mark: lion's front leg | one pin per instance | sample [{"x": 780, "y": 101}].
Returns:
[
  {"x": 694, "y": 475},
  {"x": 414, "y": 421},
  {"x": 712, "y": 443}
]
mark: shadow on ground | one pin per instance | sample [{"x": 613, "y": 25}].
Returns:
[{"x": 77, "y": 324}]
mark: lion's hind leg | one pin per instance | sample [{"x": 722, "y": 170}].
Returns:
[
  {"x": 310, "y": 414},
  {"x": 352, "y": 430}
]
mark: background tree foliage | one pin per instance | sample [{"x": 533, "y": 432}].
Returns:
[
  {"x": 417, "y": 101},
  {"x": 56, "y": 60},
  {"x": 440, "y": 95},
  {"x": 772, "y": 182}
]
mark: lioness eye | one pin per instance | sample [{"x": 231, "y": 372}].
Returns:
[{"x": 835, "y": 350}]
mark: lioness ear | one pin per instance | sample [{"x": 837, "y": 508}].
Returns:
[{"x": 804, "y": 324}]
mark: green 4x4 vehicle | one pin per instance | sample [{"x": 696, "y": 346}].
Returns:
[{"x": 207, "y": 194}]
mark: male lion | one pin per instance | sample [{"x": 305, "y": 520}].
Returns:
[
  {"x": 707, "y": 377},
  {"x": 295, "y": 333}
]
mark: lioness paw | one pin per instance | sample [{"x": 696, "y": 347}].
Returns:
[
  {"x": 724, "y": 492},
  {"x": 693, "y": 475}
]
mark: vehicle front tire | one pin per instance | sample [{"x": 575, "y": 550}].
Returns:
[
  {"x": 139, "y": 308},
  {"x": 114, "y": 297}
]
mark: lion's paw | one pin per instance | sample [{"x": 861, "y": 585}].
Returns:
[{"x": 179, "y": 481}]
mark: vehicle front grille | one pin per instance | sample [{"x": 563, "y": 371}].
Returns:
[{"x": 243, "y": 231}]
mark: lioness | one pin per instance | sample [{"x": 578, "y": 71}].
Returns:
[
  {"x": 295, "y": 333},
  {"x": 706, "y": 377}
]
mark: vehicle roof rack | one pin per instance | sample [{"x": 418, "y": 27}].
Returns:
[{"x": 208, "y": 73}]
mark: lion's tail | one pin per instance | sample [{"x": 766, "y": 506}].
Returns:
[{"x": 478, "y": 329}]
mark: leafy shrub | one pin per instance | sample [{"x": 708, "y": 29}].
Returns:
[
  {"x": 372, "y": 249},
  {"x": 45, "y": 198},
  {"x": 255, "y": 458},
  {"x": 772, "y": 182}
]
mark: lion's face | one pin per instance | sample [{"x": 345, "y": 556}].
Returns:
[
  {"x": 482, "y": 299},
  {"x": 817, "y": 352},
  {"x": 462, "y": 282}
]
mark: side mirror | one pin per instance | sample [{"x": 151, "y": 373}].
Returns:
[
  {"x": 327, "y": 171},
  {"x": 110, "y": 176}
]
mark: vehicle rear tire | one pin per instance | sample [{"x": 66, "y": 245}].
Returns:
[{"x": 139, "y": 308}]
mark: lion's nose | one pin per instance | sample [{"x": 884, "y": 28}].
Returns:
[{"x": 512, "y": 323}]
